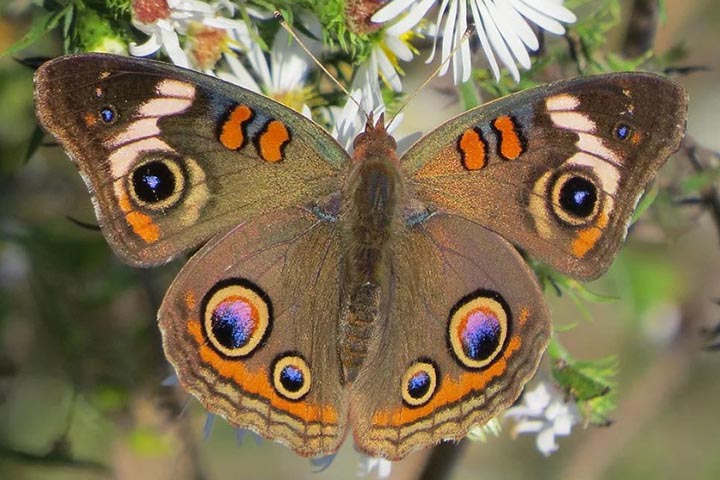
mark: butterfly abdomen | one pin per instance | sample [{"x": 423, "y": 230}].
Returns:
[{"x": 373, "y": 200}]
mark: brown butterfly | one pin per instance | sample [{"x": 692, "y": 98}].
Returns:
[{"x": 360, "y": 292}]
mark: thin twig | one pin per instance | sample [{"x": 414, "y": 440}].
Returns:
[{"x": 703, "y": 160}]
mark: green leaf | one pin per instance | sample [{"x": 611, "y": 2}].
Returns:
[
  {"x": 590, "y": 383},
  {"x": 42, "y": 24}
]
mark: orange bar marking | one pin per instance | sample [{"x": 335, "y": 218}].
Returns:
[
  {"x": 272, "y": 141},
  {"x": 586, "y": 238},
  {"x": 143, "y": 226},
  {"x": 510, "y": 144},
  {"x": 257, "y": 382},
  {"x": 232, "y": 135},
  {"x": 472, "y": 149},
  {"x": 451, "y": 391}
]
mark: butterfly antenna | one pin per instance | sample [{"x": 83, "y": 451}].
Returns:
[
  {"x": 468, "y": 32},
  {"x": 281, "y": 20}
]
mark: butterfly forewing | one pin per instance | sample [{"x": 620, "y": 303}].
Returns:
[
  {"x": 174, "y": 157},
  {"x": 558, "y": 169}
]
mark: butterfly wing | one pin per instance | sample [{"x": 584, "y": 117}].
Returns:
[
  {"x": 250, "y": 325},
  {"x": 466, "y": 328},
  {"x": 173, "y": 157},
  {"x": 558, "y": 169}
]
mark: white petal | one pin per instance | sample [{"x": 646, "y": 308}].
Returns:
[
  {"x": 539, "y": 398},
  {"x": 508, "y": 30},
  {"x": 520, "y": 25},
  {"x": 484, "y": 42},
  {"x": 529, "y": 426},
  {"x": 448, "y": 34},
  {"x": 391, "y": 10},
  {"x": 498, "y": 44},
  {"x": 563, "y": 425},
  {"x": 440, "y": 15},
  {"x": 388, "y": 70},
  {"x": 552, "y": 8},
  {"x": 151, "y": 46},
  {"x": 462, "y": 63},
  {"x": 545, "y": 442},
  {"x": 240, "y": 75},
  {"x": 542, "y": 21},
  {"x": 305, "y": 110},
  {"x": 257, "y": 60},
  {"x": 171, "y": 45},
  {"x": 412, "y": 18},
  {"x": 399, "y": 48}
]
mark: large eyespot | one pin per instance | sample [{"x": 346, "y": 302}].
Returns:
[
  {"x": 419, "y": 383},
  {"x": 157, "y": 182},
  {"x": 478, "y": 327},
  {"x": 291, "y": 376},
  {"x": 237, "y": 316},
  {"x": 575, "y": 197}
]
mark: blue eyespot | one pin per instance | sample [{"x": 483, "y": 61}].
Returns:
[
  {"x": 292, "y": 378},
  {"x": 622, "y": 131},
  {"x": 290, "y": 375},
  {"x": 107, "y": 115},
  {"x": 418, "y": 384}
]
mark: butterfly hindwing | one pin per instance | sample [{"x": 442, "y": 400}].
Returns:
[
  {"x": 466, "y": 327},
  {"x": 249, "y": 325}
]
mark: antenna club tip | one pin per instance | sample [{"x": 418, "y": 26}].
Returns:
[{"x": 279, "y": 16}]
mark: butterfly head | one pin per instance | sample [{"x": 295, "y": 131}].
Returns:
[{"x": 374, "y": 141}]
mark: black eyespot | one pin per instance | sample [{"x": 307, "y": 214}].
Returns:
[
  {"x": 154, "y": 182},
  {"x": 290, "y": 375},
  {"x": 419, "y": 383},
  {"x": 622, "y": 131},
  {"x": 578, "y": 197},
  {"x": 108, "y": 115}
]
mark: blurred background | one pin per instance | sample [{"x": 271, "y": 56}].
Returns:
[{"x": 81, "y": 363}]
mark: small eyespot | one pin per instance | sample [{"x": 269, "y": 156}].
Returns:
[
  {"x": 291, "y": 376},
  {"x": 575, "y": 197},
  {"x": 419, "y": 383},
  {"x": 622, "y": 131},
  {"x": 108, "y": 114},
  {"x": 157, "y": 183},
  {"x": 478, "y": 327},
  {"x": 236, "y": 317}
]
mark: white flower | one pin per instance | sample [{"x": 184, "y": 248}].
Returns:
[
  {"x": 380, "y": 465},
  {"x": 544, "y": 411},
  {"x": 281, "y": 77},
  {"x": 163, "y": 20},
  {"x": 503, "y": 28},
  {"x": 383, "y": 64}
]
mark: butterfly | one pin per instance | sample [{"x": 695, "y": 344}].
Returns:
[{"x": 365, "y": 292}]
